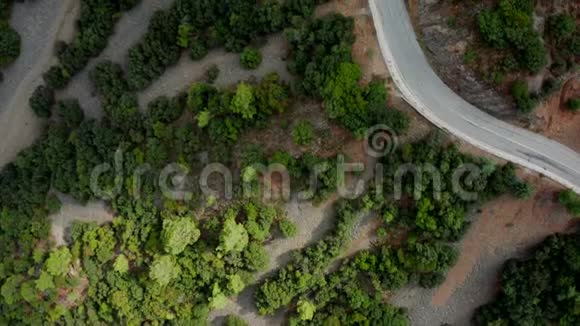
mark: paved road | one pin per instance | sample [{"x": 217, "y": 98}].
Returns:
[{"x": 425, "y": 91}]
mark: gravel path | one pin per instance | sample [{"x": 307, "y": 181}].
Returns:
[
  {"x": 72, "y": 211},
  {"x": 39, "y": 23},
  {"x": 128, "y": 31},
  {"x": 313, "y": 222},
  {"x": 186, "y": 72}
]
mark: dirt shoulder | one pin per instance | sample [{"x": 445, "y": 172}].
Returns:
[{"x": 449, "y": 35}]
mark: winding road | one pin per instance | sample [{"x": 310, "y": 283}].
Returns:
[{"x": 427, "y": 93}]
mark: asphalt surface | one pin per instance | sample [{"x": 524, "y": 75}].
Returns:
[{"x": 427, "y": 93}]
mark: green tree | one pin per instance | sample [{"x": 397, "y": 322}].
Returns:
[
  {"x": 233, "y": 320},
  {"x": 164, "y": 269},
  {"x": 234, "y": 237},
  {"x": 218, "y": 299},
  {"x": 178, "y": 234},
  {"x": 525, "y": 103},
  {"x": 121, "y": 264},
  {"x": 289, "y": 229},
  {"x": 492, "y": 28},
  {"x": 212, "y": 74},
  {"x": 250, "y": 58},
  {"x": 164, "y": 109},
  {"x": 41, "y": 101},
  {"x": 10, "y": 289},
  {"x": 9, "y": 44},
  {"x": 561, "y": 26},
  {"x": 235, "y": 284},
  {"x": 44, "y": 282},
  {"x": 184, "y": 35},
  {"x": 573, "y": 104},
  {"x": 344, "y": 98},
  {"x": 198, "y": 49},
  {"x": 58, "y": 262},
  {"x": 243, "y": 102},
  {"x": 571, "y": 201},
  {"x": 306, "y": 310},
  {"x": 256, "y": 256},
  {"x": 303, "y": 133}
]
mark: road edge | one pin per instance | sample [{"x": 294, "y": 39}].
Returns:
[{"x": 423, "y": 109}]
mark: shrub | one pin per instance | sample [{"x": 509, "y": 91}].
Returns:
[
  {"x": 251, "y": 58},
  {"x": 469, "y": 56},
  {"x": 523, "y": 190},
  {"x": 510, "y": 25},
  {"x": 9, "y": 44},
  {"x": 303, "y": 133},
  {"x": 42, "y": 101},
  {"x": 233, "y": 320},
  {"x": 288, "y": 229},
  {"x": 524, "y": 102},
  {"x": 561, "y": 27},
  {"x": 574, "y": 104},
  {"x": 492, "y": 28},
  {"x": 571, "y": 201},
  {"x": 212, "y": 73}
]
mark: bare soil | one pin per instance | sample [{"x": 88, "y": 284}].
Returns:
[
  {"x": 40, "y": 24},
  {"x": 72, "y": 211},
  {"x": 557, "y": 121}
]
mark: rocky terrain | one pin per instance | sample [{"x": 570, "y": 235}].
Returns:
[{"x": 445, "y": 47}]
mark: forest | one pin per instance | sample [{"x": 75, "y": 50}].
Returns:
[
  {"x": 422, "y": 258},
  {"x": 173, "y": 261},
  {"x": 540, "y": 289}
]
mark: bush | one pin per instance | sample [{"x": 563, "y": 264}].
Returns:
[
  {"x": 510, "y": 25},
  {"x": 198, "y": 50},
  {"x": 212, "y": 73},
  {"x": 288, "y": 229},
  {"x": 251, "y": 58},
  {"x": 303, "y": 133},
  {"x": 561, "y": 27},
  {"x": 523, "y": 190},
  {"x": 469, "y": 56},
  {"x": 9, "y": 44},
  {"x": 571, "y": 201},
  {"x": 524, "y": 102},
  {"x": 42, "y": 101},
  {"x": 70, "y": 113},
  {"x": 233, "y": 320},
  {"x": 574, "y": 104}
]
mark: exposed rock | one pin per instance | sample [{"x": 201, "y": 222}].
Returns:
[{"x": 445, "y": 48}]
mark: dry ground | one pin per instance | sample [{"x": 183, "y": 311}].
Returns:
[
  {"x": 557, "y": 121},
  {"x": 504, "y": 228}
]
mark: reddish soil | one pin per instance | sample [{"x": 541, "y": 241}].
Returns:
[
  {"x": 507, "y": 223},
  {"x": 558, "y": 122}
]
